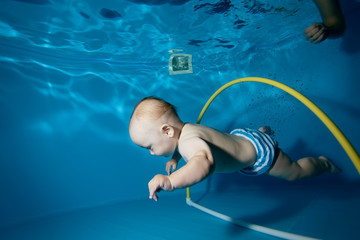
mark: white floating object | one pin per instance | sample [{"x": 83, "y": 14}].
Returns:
[{"x": 180, "y": 63}]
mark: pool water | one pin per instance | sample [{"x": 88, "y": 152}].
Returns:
[{"x": 72, "y": 71}]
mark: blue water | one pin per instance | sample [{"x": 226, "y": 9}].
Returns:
[{"x": 72, "y": 71}]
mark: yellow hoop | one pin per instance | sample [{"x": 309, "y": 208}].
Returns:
[{"x": 344, "y": 142}]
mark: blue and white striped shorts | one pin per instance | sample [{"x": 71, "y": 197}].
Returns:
[{"x": 265, "y": 148}]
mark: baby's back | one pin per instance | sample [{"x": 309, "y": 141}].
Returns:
[{"x": 230, "y": 152}]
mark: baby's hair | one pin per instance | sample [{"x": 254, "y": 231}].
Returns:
[{"x": 153, "y": 108}]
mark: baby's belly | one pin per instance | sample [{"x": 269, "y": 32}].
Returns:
[
  {"x": 226, "y": 162},
  {"x": 225, "y": 166}
]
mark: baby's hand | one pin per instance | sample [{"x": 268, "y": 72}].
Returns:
[
  {"x": 316, "y": 33},
  {"x": 171, "y": 166},
  {"x": 159, "y": 182}
]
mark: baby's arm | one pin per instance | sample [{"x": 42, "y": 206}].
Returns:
[
  {"x": 199, "y": 166},
  {"x": 197, "y": 169}
]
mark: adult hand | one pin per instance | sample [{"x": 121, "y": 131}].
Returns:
[{"x": 316, "y": 33}]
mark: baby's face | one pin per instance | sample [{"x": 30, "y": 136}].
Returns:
[{"x": 148, "y": 134}]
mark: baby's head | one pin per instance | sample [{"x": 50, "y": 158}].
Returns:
[{"x": 155, "y": 125}]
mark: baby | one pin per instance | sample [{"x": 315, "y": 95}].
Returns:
[{"x": 156, "y": 126}]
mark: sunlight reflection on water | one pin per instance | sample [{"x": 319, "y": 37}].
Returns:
[{"x": 102, "y": 61}]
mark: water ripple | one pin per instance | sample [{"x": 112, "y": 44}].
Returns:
[{"x": 100, "y": 60}]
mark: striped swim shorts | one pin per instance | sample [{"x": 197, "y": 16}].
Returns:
[{"x": 265, "y": 147}]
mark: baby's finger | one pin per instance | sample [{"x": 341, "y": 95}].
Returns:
[
  {"x": 174, "y": 167},
  {"x": 153, "y": 195},
  {"x": 152, "y": 188},
  {"x": 171, "y": 169},
  {"x": 168, "y": 169}
]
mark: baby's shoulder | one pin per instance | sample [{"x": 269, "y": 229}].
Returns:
[
  {"x": 193, "y": 131},
  {"x": 192, "y": 140},
  {"x": 190, "y": 130}
]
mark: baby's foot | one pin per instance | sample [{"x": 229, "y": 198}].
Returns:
[
  {"x": 267, "y": 130},
  {"x": 331, "y": 167}
]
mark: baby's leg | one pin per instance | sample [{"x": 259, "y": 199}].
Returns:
[{"x": 303, "y": 168}]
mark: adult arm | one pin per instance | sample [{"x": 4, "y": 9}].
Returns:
[{"x": 333, "y": 24}]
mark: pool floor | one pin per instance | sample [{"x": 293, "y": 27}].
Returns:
[{"x": 329, "y": 212}]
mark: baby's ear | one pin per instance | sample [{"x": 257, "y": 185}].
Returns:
[{"x": 168, "y": 130}]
